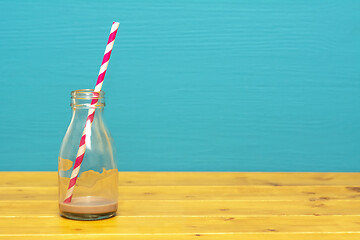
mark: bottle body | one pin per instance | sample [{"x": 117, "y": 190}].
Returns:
[{"x": 95, "y": 193}]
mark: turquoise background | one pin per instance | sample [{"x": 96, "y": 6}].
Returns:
[{"x": 200, "y": 85}]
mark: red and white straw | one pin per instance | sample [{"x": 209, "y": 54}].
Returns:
[{"x": 91, "y": 113}]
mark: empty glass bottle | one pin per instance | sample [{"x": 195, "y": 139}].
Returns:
[{"x": 95, "y": 192}]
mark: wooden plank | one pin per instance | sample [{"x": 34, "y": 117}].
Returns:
[
  {"x": 236, "y": 178},
  {"x": 28, "y": 179},
  {"x": 194, "y": 208},
  {"x": 182, "y": 225},
  {"x": 181, "y": 236},
  {"x": 11, "y": 179},
  {"x": 268, "y": 193}
]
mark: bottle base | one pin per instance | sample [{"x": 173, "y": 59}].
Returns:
[
  {"x": 86, "y": 216},
  {"x": 88, "y": 208}
]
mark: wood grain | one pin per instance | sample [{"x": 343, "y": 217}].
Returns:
[
  {"x": 207, "y": 236},
  {"x": 195, "y": 208},
  {"x": 44, "y": 179},
  {"x": 182, "y": 225},
  {"x": 269, "y": 193},
  {"x": 230, "y": 206}
]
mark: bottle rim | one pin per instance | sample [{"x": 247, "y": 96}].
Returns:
[{"x": 87, "y": 94}]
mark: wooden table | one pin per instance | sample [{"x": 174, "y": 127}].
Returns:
[{"x": 225, "y": 206}]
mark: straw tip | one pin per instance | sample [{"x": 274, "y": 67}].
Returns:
[{"x": 116, "y": 23}]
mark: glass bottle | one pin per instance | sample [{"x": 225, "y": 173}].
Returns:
[{"x": 95, "y": 192}]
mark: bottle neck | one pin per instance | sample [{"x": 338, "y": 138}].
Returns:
[
  {"x": 82, "y": 101},
  {"x": 80, "y": 116}
]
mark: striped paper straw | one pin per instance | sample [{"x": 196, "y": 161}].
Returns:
[{"x": 91, "y": 113}]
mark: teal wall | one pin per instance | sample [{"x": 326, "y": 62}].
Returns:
[{"x": 192, "y": 85}]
